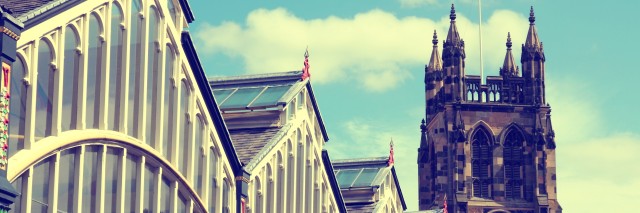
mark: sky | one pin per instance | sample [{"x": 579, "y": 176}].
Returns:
[{"x": 367, "y": 62}]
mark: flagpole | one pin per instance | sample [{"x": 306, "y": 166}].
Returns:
[{"x": 480, "y": 34}]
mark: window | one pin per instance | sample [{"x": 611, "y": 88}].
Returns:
[
  {"x": 168, "y": 123},
  {"x": 185, "y": 146},
  {"x": 199, "y": 156},
  {"x": 115, "y": 72},
  {"x": 131, "y": 183},
  {"x": 300, "y": 171},
  {"x": 513, "y": 164},
  {"x": 257, "y": 195},
  {"x": 150, "y": 195},
  {"x": 90, "y": 182},
  {"x": 134, "y": 67},
  {"x": 173, "y": 11},
  {"x": 40, "y": 184},
  {"x": 17, "y": 184},
  {"x": 213, "y": 174},
  {"x": 70, "y": 80},
  {"x": 291, "y": 174},
  {"x": 17, "y": 107},
  {"x": 44, "y": 91},
  {"x": 481, "y": 160},
  {"x": 226, "y": 194},
  {"x": 269, "y": 190},
  {"x": 66, "y": 180},
  {"x": 94, "y": 70},
  {"x": 166, "y": 194},
  {"x": 111, "y": 179},
  {"x": 281, "y": 183},
  {"x": 152, "y": 76}
]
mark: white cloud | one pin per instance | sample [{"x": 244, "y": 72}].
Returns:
[
  {"x": 373, "y": 48},
  {"x": 417, "y": 3}
]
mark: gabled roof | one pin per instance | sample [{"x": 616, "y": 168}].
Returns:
[
  {"x": 251, "y": 141},
  {"x": 328, "y": 168}
]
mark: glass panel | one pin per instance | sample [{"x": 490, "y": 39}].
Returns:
[
  {"x": 173, "y": 11},
  {"x": 44, "y": 97},
  {"x": 242, "y": 97},
  {"x": 70, "y": 80},
  {"x": 90, "y": 182},
  {"x": 66, "y": 179},
  {"x": 225, "y": 197},
  {"x": 346, "y": 177},
  {"x": 152, "y": 77},
  {"x": 131, "y": 184},
  {"x": 185, "y": 145},
  {"x": 149, "y": 188},
  {"x": 40, "y": 190},
  {"x": 182, "y": 203},
  {"x": 198, "y": 159},
  {"x": 17, "y": 108},
  {"x": 220, "y": 95},
  {"x": 270, "y": 96},
  {"x": 94, "y": 70},
  {"x": 134, "y": 69},
  {"x": 213, "y": 188},
  {"x": 166, "y": 192},
  {"x": 169, "y": 121},
  {"x": 17, "y": 185},
  {"x": 366, "y": 177},
  {"x": 111, "y": 178},
  {"x": 115, "y": 72}
]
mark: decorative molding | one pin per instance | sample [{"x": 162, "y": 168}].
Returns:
[{"x": 10, "y": 33}]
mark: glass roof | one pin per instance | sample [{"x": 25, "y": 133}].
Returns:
[
  {"x": 356, "y": 177},
  {"x": 263, "y": 96}
]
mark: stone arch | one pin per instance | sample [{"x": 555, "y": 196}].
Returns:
[
  {"x": 481, "y": 125},
  {"x": 508, "y": 129}
]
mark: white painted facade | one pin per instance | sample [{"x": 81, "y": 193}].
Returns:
[{"x": 88, "y": 127}]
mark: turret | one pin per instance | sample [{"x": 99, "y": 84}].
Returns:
[
  {"x": 509, "y": 68},
  {"x": 433, "y": 76},
  {"x": 533, "y": 65},
  {"x": 453, "y": 56}
]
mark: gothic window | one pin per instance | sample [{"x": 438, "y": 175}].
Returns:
[
  {"x": 513, "y": 164},
  {"x": 153, "y": 54},
  {"x": 481, "y": 158},
  {"x": 70, "y": 80},
  {"x": 94, "y": 70},
  {"x": 135, "y": 45},
  {"x": 17, "y": 108},
  {"x": 115, "y": 62},
  {"x": 44, "y": 92}
]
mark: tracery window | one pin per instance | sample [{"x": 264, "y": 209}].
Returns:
[
  {"x": 135, "y": 42},
  {"x": 481, "y": 159},
  {"x": 513, "y": 164},
  {"x": 17, "y": 108},
  {"x": 116, "y": 68},
  {"x": 94, "y": 72},
  {"x": 153, "y": 76},
  {"x": 70, "y": 81},
  {"x": 44, "y": 91}
]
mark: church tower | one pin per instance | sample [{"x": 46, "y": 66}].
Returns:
[{"x": 487, "y": 147}]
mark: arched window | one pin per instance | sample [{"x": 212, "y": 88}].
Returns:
[
  {"x": 281, "y": 183},
  {"x": 199, "y": 156},
  {"x": 185, "y": 147},
  {"x": 17, "y": 108},
  {"x": 116, "y": 68},
  {"x": 94, "y": 72},
  {"x": 44, "y": 94},
  {"x": 70, "y": 80},
  {"x": 257, "y": 194},
  {"x": 269, "y": 193},
  {"x": 168, "y": 123},
  {"x": 226, "y": 194},
  {"x": 135, "y": 45},
  {"x": 513, "y": 164},
  {"x": 301, "y": 173},
  {"x": 213, "y": 175},
  {"x": 481, "y": 160},
  {"x": 309, "y": 177},
  {"x": 173, "y": 11},
  {"x": 291, "y": 178},
  {"x": 153, "y": 80}
]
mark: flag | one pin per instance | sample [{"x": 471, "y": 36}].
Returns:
[{"x": 444, "y": 208}]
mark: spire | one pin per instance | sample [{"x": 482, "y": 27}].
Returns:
[
  {"x": 435, "y": 63},
  {"x": 509, "y": 67},
  {"x": 305, "y": 69},
  {"x": 532, "y": 35},
  {"x": 453, "y": 35}
]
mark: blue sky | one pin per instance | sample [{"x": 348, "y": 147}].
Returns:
[{"x": 367, "y": 65}]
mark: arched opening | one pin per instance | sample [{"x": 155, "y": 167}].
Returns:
[
  {"x": 44, "y": 91},
  {"x": 135, "y": 70},
  {"x": 513, "y": 154},
  {"x": 116, "y": 67},
  {"x": 94, "y": 72},
  {"x": 17, "y": 107},
  {"x": 481, "y": 160},
  {"x": 153, "y": 75},
  {"x": 70, "y": 81}
]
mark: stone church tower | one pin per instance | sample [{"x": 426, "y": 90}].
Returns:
[{"x": 487, "y": 148}]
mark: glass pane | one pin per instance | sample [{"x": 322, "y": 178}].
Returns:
[
  {"x": 17, "y": 108},
  {"x": 66, "y": 180},
  {"x": 40, "y": 190},
  {"x": 242, "y": 97},
  {"x": 182, "y": 203},
  {"x": 270, "y": 96},
  {"x": 94, "y": 69},
  {"x": 115, "y": 72},
  {"x": 70, "y": 80},
  {"x": 111, "y": 178},
  {"x": 17, "y": 185},
  {"x": 149, "y": 188},
  {"x": 366, "y": 177},
  {"x": 152, "y": 77},
  {"x": 166, "y": 192},
  {"x": 168, "y": 122},
  {"x": 173, "y": 11},
  {"x": 134, "y": 69},
  {"x": 198, "y": 157},
  {"x": 220, "y": 95},
  {"x": 90, "y": 182},
  {"x": 131, "y": 184},
  {"x": 225, "y": 197},
  {"x": 44, "y": 97},
  {"x": 346, "y": 177},
  {"x": 213, "y": 188},
  {"x": 184, "y": 143}
]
